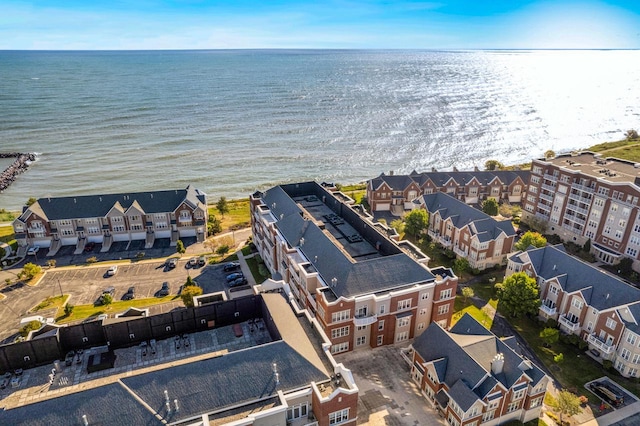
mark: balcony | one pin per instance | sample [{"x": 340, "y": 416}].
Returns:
[
  {"x": 460, "y": 252},
  {"x": 583, "y": 188},
  {"x": 595, "y": 341},
  {"x": 364, "y": 320},
  {"x": 577, "y": 209},
  {"x": 548, "y": 307},
  {"x": 546, "y": 197},
  {"x": 551, "y": 178},
  {"x": 570, "y": 323}
]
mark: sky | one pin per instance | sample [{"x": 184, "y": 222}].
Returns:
[{"x": 343, "y": 24}]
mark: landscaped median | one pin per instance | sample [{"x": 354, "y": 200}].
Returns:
[{"x": 82, "y": 312}]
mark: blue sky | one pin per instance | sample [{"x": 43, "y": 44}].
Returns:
[{"x": 202, "y": 24}]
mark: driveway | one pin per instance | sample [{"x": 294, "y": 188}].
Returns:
[{"x": 387, "y": 395}]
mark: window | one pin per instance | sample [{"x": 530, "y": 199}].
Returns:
[
  {"x": 161, "y": 225},
  {"x": 632, "y": 252},
  {"x": 422, "y": 312},
  {"x": 382, "y": 309},
  {"x": 93, "y": 230},
  {"x": 536, "y": 402},
  {"x": 160, "y": 216},
  {"x": 64, "y": 222},
  {"x": 611, "y": 324},
  {"x": 297, "y": 411},
  {"x": 340, "y": 347},
  {"x": 513, "y": 407},
  {"x": 66, "y": 232},
  {"x": 452, "y": 420},
  {"x": 339, "y": 332},
  {"x": 443, "y": 309},
  {"x": 445, "y": 294},
  {"x": 424, "y": 296},
  {"x": 361, "y": 327},
  {"x": 636, "y": 359},
  {"x": 402, "y": 336},
  {"x": 118, "y": 228},
  {"x": 361, "y": 340},
  {"x": 404, "y": 322},
  {"x": 380, "y": 340},
  {"x": 341, "y": 316},
  {"x": 633, "y": 372},
  {"x": 380, "y": 325},
  {"x": 631, "y": 338},
  {"x": 116, "y": 219},
  {"x": 625, "y": 354},
  {"x": 576, "y": 303},
  {"x": 362, "y": 311},
  {"x": 339, "y": 417},
  {"x": 136, "y": 227},
  {"x": 553, "y": 290},
  {"x": 488, "y": 416},
  {"x": 135, "y": 218},
  {"x": 404, "y": 304},
  {"x": 519, "y": 394},
  {"x": 421, "y": 326}
]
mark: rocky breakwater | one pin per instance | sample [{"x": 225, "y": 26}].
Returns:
[{"x": 20, "y": 165}]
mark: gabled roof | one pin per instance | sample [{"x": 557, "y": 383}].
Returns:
[
  {"x": 366, "y": 276},
  {"x": 632, "y": 318},
  {"x": 485, "y": 177},
  {"x": 89, "y": 206},
  {"x": 599, "y": 289},
  {"x": 462, "y": 214}
]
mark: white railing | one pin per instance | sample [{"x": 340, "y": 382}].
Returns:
[
  {"x": 573, "y": 326},
  {"x": 548, "y": 310},
  {"x": 607, "y": 349},
  {"x": 365, "y": 320}
]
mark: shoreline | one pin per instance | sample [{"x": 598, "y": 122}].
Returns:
[{"x": 20, "y": 165}]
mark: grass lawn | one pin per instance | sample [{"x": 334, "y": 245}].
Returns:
[
  {"x": 625, "y": 149},
  {"x": 258, "y": 270},
  {"x": 81, "y": 312},
  {"x": 6, "y": 216},
  {"x": 238, "y": 215},
  {"x": 6, "y": 234},
  {"x": 461, "y": 308},
  {"x": 435, "y": 253},
  {"x": 51, "y": 302}
]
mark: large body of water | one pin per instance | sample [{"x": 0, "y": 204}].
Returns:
[{"x": 231, "y": 122}]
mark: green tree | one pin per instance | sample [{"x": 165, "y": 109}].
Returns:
[
  {"x": 558, "y": 358},
  {"x": 549, "y": 154},
  {"x": 180, "y": 247},
  {"x": 68, "y": 309},
  {"x": 30, "y": 270},
  {"x": 490, "y": 206},
  {"x": 566, "y": 403},
  {"x": 519, "y": 295},
  {"x": 398, "y": 225},
  {"x": 190, "y": 282},
  {"x": 106, "y": 299},
  {"x": 214, "y": 226},
  {"x": 30, "y": 201},
  {"x": 493, "y": 165},
  {"x": 31, "y": 325},
  {"x": 223, "y": 206},
  {"x": 631, "y": 134},
  {"x": 467, "y": 292},
  {"x": 625, "y": 266},
  {"x": 416, "y": 221},
  {"x": 587, "y": 246},
  {"x": 549, "y": 336},
  {"x": 461, "y": 265},
  {"x": 223, "y": 249},
  {"x": 531, "y": 238},
  {"x": 188, "y": 293}
]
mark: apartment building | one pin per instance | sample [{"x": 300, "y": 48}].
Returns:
[
  {"x": 105, "y": 219},
  {"x": 588, "y": 302},
  {"x": 363, "y": 288},
  {"x": 469, "y": 232},
  {"x": 474, "y": 378},
  {"x": 395, "y": 193},
  {"x": 583, "y": 197}
]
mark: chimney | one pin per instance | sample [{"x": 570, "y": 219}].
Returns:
[
  {"x": 497, "y": 364},
  {"x": 390, "y": 172},
  {"x": 476, "y": 169},
  {"x": 455, "y": 169}
]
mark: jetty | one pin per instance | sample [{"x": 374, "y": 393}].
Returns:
[{"x": 20, "y": 165}]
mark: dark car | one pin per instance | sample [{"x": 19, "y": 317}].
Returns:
[
  {"x": 68, "y": 360},
  {"x": 89, "y": 247},
  {"x": 238, "y": 282},
  {"x": 164, "y": 291},
  {"x": 107, "y": 291},
  {"x": 172, "y": 262},
  {"x": 130, "y": 294},
  {"x": 231, "y": 266},
  {"x": 234, "y": 276},
  {"x": 607, "y": 393},
  {"x": 202, "y": 261}
]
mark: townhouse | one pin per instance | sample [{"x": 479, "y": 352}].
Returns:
[
  {"x": 105, "y": 219},
  {"x": 588, "y": 302},
  {"x": 474, "y": 378},
  {"x": 363, "y": 288},
  {"x": 585, "y": 197},
  {"x": 469, "y": 232},
  {"x": 395, "y": 193}
]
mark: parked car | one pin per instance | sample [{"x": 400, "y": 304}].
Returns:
[
  {"x": 172, "y": 262},
  {"x": 238, "y": 282},
  {"x": 234, "y": 276},
  {"x": 112, "y": 270},
  {"x": 164, "y": 291},
  {"x": 202, "y": 261},
  {"x": 192, "y": 262},
  {"x": 89, "y": 247},
  {"x": 33, "y": 250},
  {"x": 231, "y": 266},
  {"x": 607, "y": 393},
  {"x": 130, "y": 294},
  {"x": 110, "y": 291}
]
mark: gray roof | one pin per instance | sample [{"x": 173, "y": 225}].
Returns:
[
  {"x": 468, "y": 349},
  {"x": 462, "y": 214},
  {"x": 89, "y": 206},
  {"x": 374, "y": 275},
  {"x": 599, "y": 289},
  {"x": 105, "y": 405},
  {"x": 400, "y": 182},
  {"x": 635, "y": 311}
]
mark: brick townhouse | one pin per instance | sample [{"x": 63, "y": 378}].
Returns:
[
  {"x": 474, "y": 378},
  {"x": 104, "y": 219},
  {"x": 588, "y": 302},
  {"x": 585, "y": 196},
  {"x": 469, "y": 232},
  {"x": 395, "y": 193},
  {"x": 363, "y": 289}
]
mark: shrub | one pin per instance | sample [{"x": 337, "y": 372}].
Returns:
[
  {"x": 68, "y": 309},
  {"x": 223, "y": 249},
  {"x": 582, "y": 345},
  {"x": 607, "y": 364},
  {"x": 552, "y": 323},
  {"x": 92, "y": 259},
  {"x": 32, "y": 325}
]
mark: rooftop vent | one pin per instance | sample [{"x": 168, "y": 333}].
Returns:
[{"x": 497, "y": 364}]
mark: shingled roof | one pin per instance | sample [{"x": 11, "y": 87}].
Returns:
[
  {"x": 90, "y": 206},
  {"x": 400, "y": 182}
]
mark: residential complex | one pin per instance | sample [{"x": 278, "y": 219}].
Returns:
[
  {"x": 583, "y": 197},
  {"x": 288, "y": 378},
  {"x": 105, "y": 219},
  {"x": 473, "y": 378},
  {"x": 395, "y": 193},
  {"x": 588, "y": 302},
  {"x": 469, "y": 232},
  {"x": 364, "y": 289}
]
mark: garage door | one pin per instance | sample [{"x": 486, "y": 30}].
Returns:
[
  {"x": 95, "y": 239},
  {"x": 138, "y": 235},
  {"x": 69, "y": 241},
  {"x": 120, "y": 237},
  {"x": 384, "y": 207},
  {"x": 163, "y": 234},
  {"x": 187, "y": 232}
]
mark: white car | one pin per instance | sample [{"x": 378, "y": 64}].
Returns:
[
  {"x": 33, "y": 250},
  {"x": 112, "y": 270}
]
